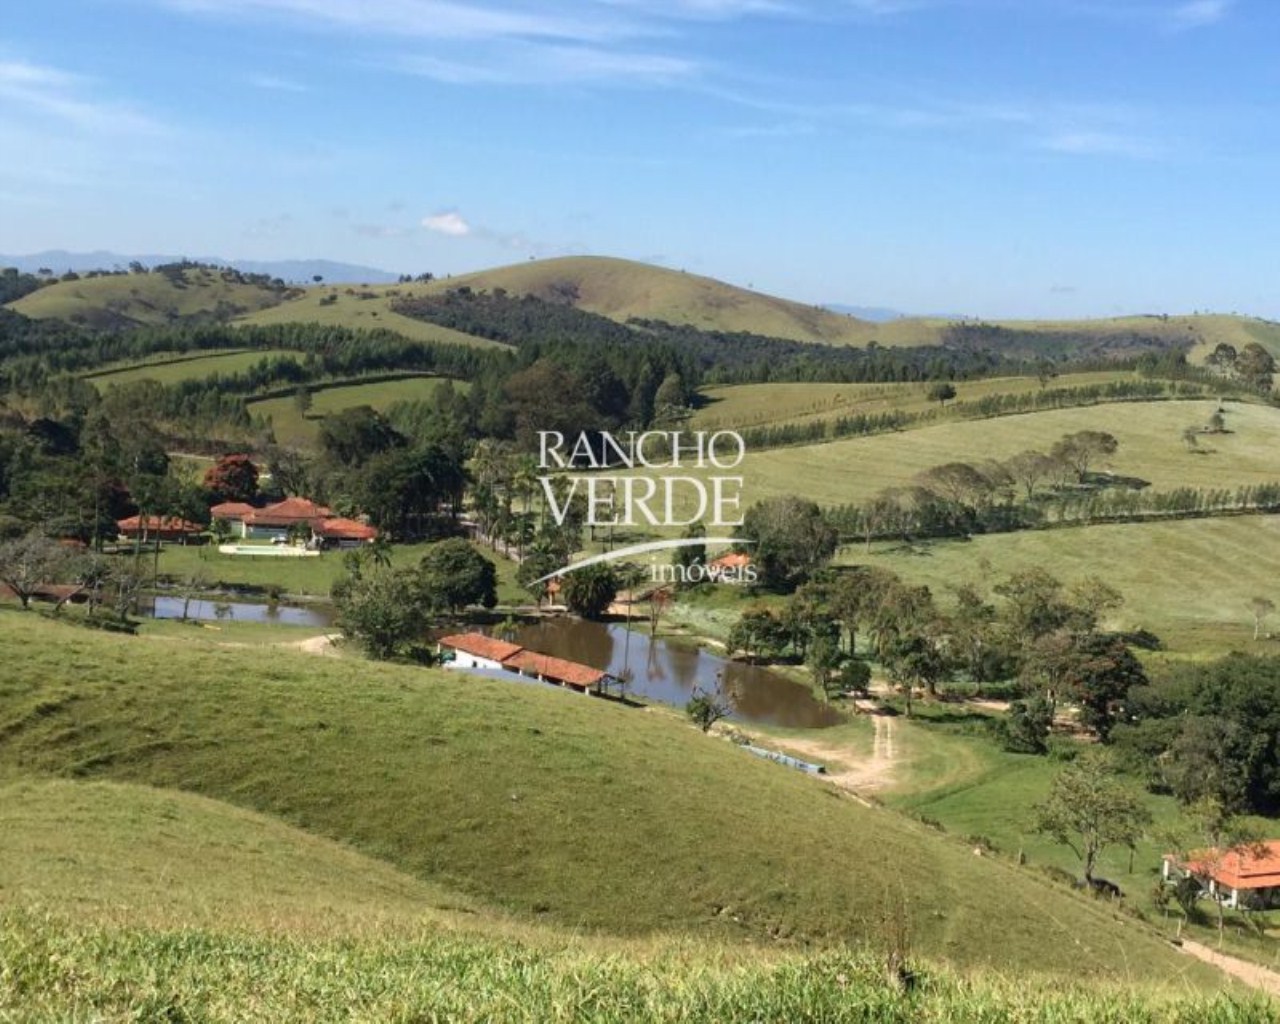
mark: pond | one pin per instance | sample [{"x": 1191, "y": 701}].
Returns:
[
  {"x": 660, "y": 670},
  {"x": 316, "y": 616}
]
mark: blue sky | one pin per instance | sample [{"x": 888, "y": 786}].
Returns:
[{"x": 985, "y": 157}]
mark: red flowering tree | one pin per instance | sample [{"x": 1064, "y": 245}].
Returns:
[{"x": 232, "y": 478}]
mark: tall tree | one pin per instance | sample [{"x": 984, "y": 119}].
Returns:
[{"x": 1089, "y": 809}]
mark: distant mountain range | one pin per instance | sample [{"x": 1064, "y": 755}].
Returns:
[{"x": 292, "y": 271}]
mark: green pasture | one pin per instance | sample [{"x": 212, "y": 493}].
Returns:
[
  {"x": 1150, "y": 435},
  {"x": 173, "y": 369},
  {"x": 1189, "y": 581},
  {"x": 737, "y": 406},
  {"x": 292, "y": 427},
  {"x": 309, "y": 577}
]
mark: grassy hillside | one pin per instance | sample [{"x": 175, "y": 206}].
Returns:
[
  {"x": 1188, "y": 581},
  {"x": 126, "y": 300},
  {"x": 172, "y": 369},
  {"x": 348, "y": 307},
  {"x": 1149, "y": 433},
  {"x": 292, "y": 428},
  {"x": 578, "y": 812},
  {"x": 623, "y": 289},
  {"x": 752, "y": 405},
  {"x": 105, "y": 851}
]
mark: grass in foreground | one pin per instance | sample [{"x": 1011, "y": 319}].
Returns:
[
  {"x": 57, "y": 971},
  {"x": 571, "y": 811}
]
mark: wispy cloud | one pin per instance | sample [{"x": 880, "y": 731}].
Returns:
[
  {"x": 42, "y": 91},
  {"x": 1100, "y": 143},
  {"x": 275, "y": 83},
  {"x": 524, "y": 64},
  {"x": 1199, "y": 13}
]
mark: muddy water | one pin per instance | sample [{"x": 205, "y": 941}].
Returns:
[
  {"x": 669, "y": 672},
  {"x": 238, "y": 611}
]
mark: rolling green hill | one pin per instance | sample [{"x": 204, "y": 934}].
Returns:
[
  {"x": 196, "y": 295},
  {"x": 578, "y": 813},
  {"x": 106, "y": 851},
  {"x": 1190, "y": 582},
  {"x": 1149, "y": 433}
]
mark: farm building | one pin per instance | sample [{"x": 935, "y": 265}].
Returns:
[
  {"x": 162, "y": 528},
  {"x": 1243, "y": 879},
  {"x": 475, "y": 650},
  {"x": 548, "y": 669}
]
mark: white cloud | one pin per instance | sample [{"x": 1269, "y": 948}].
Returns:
[
  {"x": 1198, "y": 13},
  {"x": 450, "y": 223}
]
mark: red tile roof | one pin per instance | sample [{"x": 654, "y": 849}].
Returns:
[
  {"x": 345, "y": 529},
  {"x": 1249, "y": 868},
  {"x": 231, "y": 510},
  {"x": 160, "y": 524},
  {"x": 556, "y": 669},
  {"x": 287, "y": 512},
  {"x": 481, "y": 646},
  {"x": 733, "y": 560}
]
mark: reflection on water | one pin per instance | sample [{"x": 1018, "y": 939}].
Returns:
[
  {"x": 237, "y": 611},
  {"x": 669, "y": 672}
]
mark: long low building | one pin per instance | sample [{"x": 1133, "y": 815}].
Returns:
[{"x": 475, "y": 650}]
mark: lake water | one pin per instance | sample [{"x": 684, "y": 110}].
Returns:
[
  {"x": 669, "y": 672},
  {"x": 317, "y": 616}
]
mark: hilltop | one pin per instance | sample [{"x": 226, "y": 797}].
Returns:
[
  {"x": 172, "y": 295},
  {"x": 624, "y": 290}
]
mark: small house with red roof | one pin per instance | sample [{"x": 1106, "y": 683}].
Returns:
[
  {"x": 1245, "y": 878},
  {"x": 475, "y": 650},
  {"x": 159, "y": 528}
]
